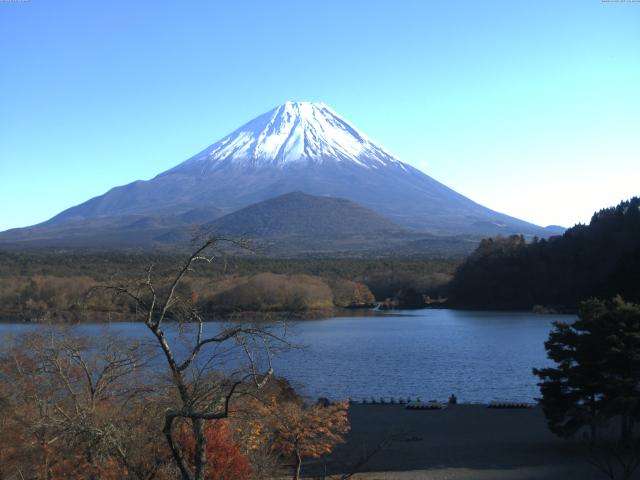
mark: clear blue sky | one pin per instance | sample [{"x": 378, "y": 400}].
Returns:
[{"x": 531, "y": 108}]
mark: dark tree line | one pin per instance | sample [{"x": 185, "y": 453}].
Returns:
[{"x": 601, "y": 260}]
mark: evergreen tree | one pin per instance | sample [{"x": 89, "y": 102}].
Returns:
[{"x": 597, "y": 372}]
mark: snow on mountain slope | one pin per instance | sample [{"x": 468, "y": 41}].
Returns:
[
  {"x": 294, "y": 132},
  {"x": 298, "y": 146}
]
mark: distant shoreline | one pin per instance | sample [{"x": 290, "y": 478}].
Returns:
[{"x": 263, "y": 316}]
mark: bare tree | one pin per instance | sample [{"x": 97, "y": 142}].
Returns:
[
  {"x": 202, "y": 389},
  {"x": 73, "y": 403}
]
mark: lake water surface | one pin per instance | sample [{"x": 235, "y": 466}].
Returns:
[{"x": 431, "y": 353}]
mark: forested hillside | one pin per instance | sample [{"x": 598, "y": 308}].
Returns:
[
  {"x": 601, "y": 259},
  {"x": 52, "y": 286}
]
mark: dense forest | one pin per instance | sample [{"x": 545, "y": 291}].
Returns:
[
  {"x": 601, "y": 260},
  {"x": 52, "y": 285},
  {"x": 383, "y": 275}
]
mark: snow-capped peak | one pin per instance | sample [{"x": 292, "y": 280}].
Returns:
[{"x": 292, "y": 133}]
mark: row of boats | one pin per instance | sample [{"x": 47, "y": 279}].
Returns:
[{"x": 417, "y": 404}]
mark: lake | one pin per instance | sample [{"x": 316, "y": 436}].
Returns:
[{"x": 430, "y": 353}]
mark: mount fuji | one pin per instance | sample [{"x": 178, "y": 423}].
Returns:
[{"x": 296, "y": 147}]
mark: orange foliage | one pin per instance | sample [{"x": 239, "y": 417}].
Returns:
[
  {"x": 48, "y": 433},
  {"x": 309, "y": 431},
  {"x": 195, "y": 296},
  {"x": 225, "y": 461}
]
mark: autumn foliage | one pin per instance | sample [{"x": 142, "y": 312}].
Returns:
[
  {"x": 104, "y": 407},
  {"x": 78, "y": 408},
  {"x": 309, "y": 431},
  {"x": 72, "y": 409},
  {"x": 297, "y": 431},
  {"x": 225, "y": 461}
]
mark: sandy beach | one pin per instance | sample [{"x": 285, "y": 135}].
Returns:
[{"x": 461, "y": 442}]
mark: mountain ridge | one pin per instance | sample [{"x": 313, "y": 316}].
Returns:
[
  {"x": 298, "y": 146},
  {"x": 296, "y": 213}
]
